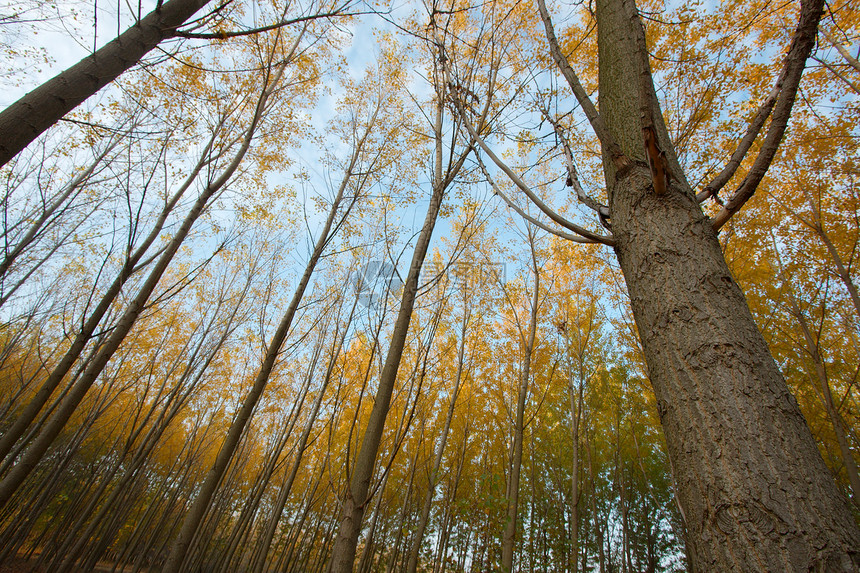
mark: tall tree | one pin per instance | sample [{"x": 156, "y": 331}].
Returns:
[
  {"x": 755, "y": 492},
  {"x": 527, "y": 336},
  {"x": 442, "y": 177},
  {"x": 355, "y": 169}
]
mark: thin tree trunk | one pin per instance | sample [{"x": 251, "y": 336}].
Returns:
[
  {"x": 841, "y": 270},
  {"x": 595, "y": 517},
  {"x": 355, "y": 501},
  {"x": 826, "y": 397},
  {"x": 366, "y": 560},
  {"x": 576, "y": 394},
  {"x": 298, "y": 527},
  {"x": 284, "y": 493},
  {"x": 528, "y": 342},
  {"x": 129, "y": 317},
  {"x": 625, "y": 521},
  {"x": 356, "y": 498},
  {"x": 36, "y": 404},
  {"x": 404, "y": 511},
  {"x": 415, "y": 551},
  {"x": 68, "y": 406},
  {"x": 213, "y": 477},
  {"x": 50, "y": 213}
]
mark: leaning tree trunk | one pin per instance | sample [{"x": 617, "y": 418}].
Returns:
[
  {"x": 215, "y": 475},
  {"x": 754, "y": 490},
  {"x": 30, "y": 116},
  {"x": 356, "y": 498},
  {"x": 418, "y": 538},
  {"x": 357, "y": 495}
]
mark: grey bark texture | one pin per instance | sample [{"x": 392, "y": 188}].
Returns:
[{"x": 754, "y": 491}]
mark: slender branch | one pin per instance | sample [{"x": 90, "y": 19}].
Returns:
[
  {"x": 606, "y": 140},
  {"x": 573, "y": 181},
  {"x": 854, "y": 86},
  {"x": 35, "y": 112},
  {"x": 754, "y": 128},
  {"x": 801, "y": 47},
  {"x": 525, "y": 188},
  {"x": 268, "y": 28},
  {"x": 526, "y": 216},
  {"x": 852, "y": 61},
  {"x": 476, "y": 138},
  {"x": 573, "y": 175}
]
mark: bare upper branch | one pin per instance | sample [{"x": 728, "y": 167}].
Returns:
[
  {"x": 526, "y": 216},
  {"x": 606, "y": 140}
]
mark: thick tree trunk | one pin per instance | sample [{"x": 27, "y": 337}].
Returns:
[
  {"x": 30, "y": 116},
  {"x": 755, "y": 492}
]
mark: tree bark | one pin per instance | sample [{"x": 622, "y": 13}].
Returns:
[
  {"x": 755, "y": 492},
  {"x": 30, "y": 116}
]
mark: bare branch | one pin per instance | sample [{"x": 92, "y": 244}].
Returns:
[
  {"x": 526, "y": 216},
  {"x": 854, "y": 86},
  {"x": 606, "y": 140},
  {"x": 852, "y": 61},
  {"x": 239, "y": 33},
  {"x": 549, "y": 212},
  {"x": 454, "y": 98},
  {"x": 712, "y": 188},
  {"x": 32, "y": 114},
  {"x": 572, "y": 174}
]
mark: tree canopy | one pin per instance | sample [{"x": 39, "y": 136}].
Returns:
[{"x": 349, "y": 286}]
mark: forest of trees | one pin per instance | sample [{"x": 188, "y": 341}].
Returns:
[{"x": 343, "y": 285}]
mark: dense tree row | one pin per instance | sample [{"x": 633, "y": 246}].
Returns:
[{"x": 262, "y": 309}]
